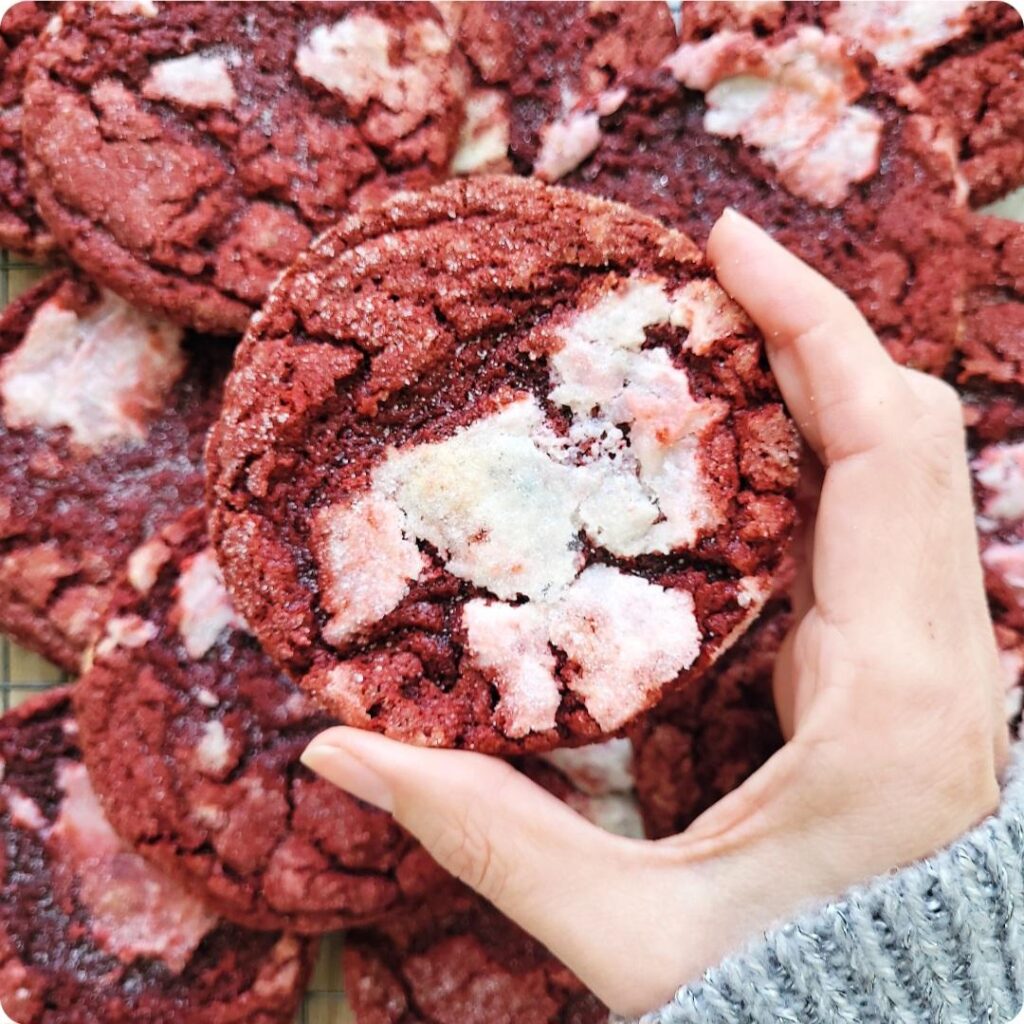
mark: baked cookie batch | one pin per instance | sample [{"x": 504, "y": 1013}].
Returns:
[{"x": 380, "y": 378}]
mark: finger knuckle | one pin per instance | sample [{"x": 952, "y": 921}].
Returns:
[{"x": 467, "y": 851}]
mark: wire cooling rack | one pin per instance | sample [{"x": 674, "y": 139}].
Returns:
[{"x": 23, "y": 674}]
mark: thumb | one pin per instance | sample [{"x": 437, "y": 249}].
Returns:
[{"x": 575, "y": 887}]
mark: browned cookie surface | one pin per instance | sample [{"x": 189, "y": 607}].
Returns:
[
  {"x": 185, "y": 153},
  {"x": 89, "y": 931},
  {"x": 498, "y": 465},
  {"x": 193, "y": 741},
  {"x": 103, "y": 416}
]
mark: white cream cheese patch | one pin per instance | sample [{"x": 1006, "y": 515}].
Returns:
[
  {"x": 134, "y": 910},
  {"x": 102, "y": 373},
  {"x": 202, "y": 607},
  {"x": 367, "y": 562},
  {"x": 198, "y": 80},
  {"x": 793, "y": 101},
  {"x": 504, "y": 501},
  {"x": 999, "y": 468},
  {"x": 353, "y": 57},
  {"x": 512, "y": 641},
  {"x": 900, "y": 32},
  {"x": 484, "y": 136}
]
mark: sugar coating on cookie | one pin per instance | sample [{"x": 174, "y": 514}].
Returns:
[
  {"x": 193, "y": 740},
  {"x": 837, "y": 158},
  {"x": 89, "y": 927},
  {"x": 103, "y": 415},
  {"x": 186, "y": 171},
  {"x": 518, "y": 427},
  {"x": 528, "y": 65}
]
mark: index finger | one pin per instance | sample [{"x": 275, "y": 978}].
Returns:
[{"x": 842, "y": 388}]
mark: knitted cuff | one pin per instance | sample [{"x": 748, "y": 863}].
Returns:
[{"x": 940, "y": 942}]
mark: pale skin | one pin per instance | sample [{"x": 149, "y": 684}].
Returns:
[{"x": 889, "y": 690}]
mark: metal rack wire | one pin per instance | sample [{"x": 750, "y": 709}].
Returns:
[{"x": 23, "y": 675}]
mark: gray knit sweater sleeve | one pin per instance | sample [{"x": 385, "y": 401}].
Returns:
[{"x": 940, "y": 942}]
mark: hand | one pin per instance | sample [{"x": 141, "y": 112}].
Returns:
[{"x": 888, "y": 687}]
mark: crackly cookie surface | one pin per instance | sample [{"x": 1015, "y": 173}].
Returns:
[
  {"x": 103, "y": 415},
  {"x": 21, "y": 227},
  {"x": 498, "y": 464},
  {"x": 966, "y": 58},
  {"x": 90, "y": 931},
  {"x": 529, "y": 64},
  {"x": 184, "y": 153},
  {"x": 833, "y": 155},
  {"x": 193, "y": 740}
]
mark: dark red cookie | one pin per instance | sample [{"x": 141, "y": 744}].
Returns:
[
  {"x": 185, "y": 153},
  {"x": 428, "y": 423},
  {"x": 460, "y": 962},
  {"x": 802, "y": 134},
  {"x": 193, "y": 739},
  {"x": 530, "y": 63},
  {"x": 966, "y": 58},
  {"x": 992, "y": 346},
  {"x": 103, "y": 415},
  {"x": 21, "y": 228},
  {"x": 700, "y": 744},
  {"x": 89, "y": 931}
]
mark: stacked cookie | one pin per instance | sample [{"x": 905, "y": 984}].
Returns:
[{"x": 494, "y": 465}]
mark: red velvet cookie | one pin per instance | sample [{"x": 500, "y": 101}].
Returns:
[
  {"x": 529, "y": 63},
  {"x": 992, "y": 345},
  {"x": 91, "y": 932},
  {"x": 460, "y": 962},
  {"x": 800, "y": 132},
  {"x": 21, "y": 228},
  {"x": 498, "y": 465},
  {"x": 700, "y": 744},
  {"x": 185, "y": 153},
  {"x": 193, "y": 739},
  {"x": 966, "y": 58},
  {"x": 103, "y": 415}
]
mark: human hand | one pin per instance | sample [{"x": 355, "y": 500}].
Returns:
[{"x": 888, "y": 687}]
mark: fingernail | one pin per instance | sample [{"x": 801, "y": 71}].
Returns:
[{"x": 337, "y": 765}]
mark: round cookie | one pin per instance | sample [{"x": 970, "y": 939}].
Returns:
[
  {"x": 460, "y": 962},
  {"x": 700, "y": 744},
  {"x": 499, "y": 464},
  {"x": 803, "y": 134},
  {"x": 193, "y": 740},
  {"x": 966, "y": 58},
  {"x": 185, "y": 153},
  {"x": 21, "y": 228},
  {"x": 89, "y": 931},
  {"x": 529, "y": 63},
  {"x": 103, "y": 415}
]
